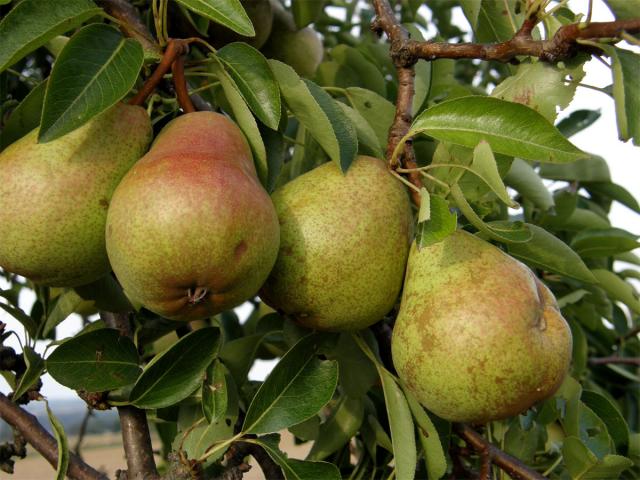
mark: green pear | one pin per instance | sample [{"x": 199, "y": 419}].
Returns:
[
  {"x": 301, "y": 49},
  {"x": 190, "y": 230},
  {"x": 55, "y": 195},
  {"x": 261, "y": 15},
  {"x": 344, "y": 245},
  {"x": 478, "y": 336}
]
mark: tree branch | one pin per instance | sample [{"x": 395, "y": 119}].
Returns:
[
  {"x": 180, "y": 84},
  {"x": 239, "y": 450},
  {"x": 511, "y": 465},
  {"x": 43, "y": 442},
  {"x": 133, "y": 421},
  {"x": 615, "y": 359}
]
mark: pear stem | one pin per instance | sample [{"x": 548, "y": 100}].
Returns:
[{"x": 180, "y": 84}]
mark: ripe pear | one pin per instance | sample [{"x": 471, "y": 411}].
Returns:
[
  {"x": 478, "y": 336},
  {"x": 261, "y": 15},
  {"x": 54, "y": 197},
  {"x": 344, "y": 245},
  {"x": 301, "y": 49},
  {"x": 190, "y": 230}
]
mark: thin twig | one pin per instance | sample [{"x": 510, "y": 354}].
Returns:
[
  {"x": 82, "y": 432},
  {"x": 130, "y": 23},
  {"x": 43, "y": 442},
  {"x": 615, "y": 360}
]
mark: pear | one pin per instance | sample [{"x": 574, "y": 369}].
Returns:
[
  {"x": 190, "y": 230},
  {"x": 301, "y": 49},
  {"x": 344, "y": 245},
  {"x": 478, "y": 336},
  {"x": 54, "y": 196}
]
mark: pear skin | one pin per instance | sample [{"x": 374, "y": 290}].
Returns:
[
  {"x": 478, "y": 336},
  {"x": 54, "y": 196},
  {"x": 190, "y": 231},
  {"x": 344, "y": 245}
]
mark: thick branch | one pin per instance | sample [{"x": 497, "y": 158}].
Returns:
[
  {"x": 131, "y": 24},
  {"x": 133, "y": 421},
  {"x": 239, "y": 450},
  {"x": 563, "y": 45},
  {"x": 42, "y": 441},
  {"x": 615, "y": 359},
  {"x": 514, "y": 467}
]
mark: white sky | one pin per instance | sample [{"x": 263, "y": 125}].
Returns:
[{"x": 601, "y": 138}]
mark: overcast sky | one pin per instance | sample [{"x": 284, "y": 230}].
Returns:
[{"x": 601, "y": 138}]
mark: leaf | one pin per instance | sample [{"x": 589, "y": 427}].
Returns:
[
  {"x": 545, "y": 250},
  {"x": 624, "y": 9},
  {"x": 378, "y": 111},
  {"x": 35, "y": 367},
  {"x": 32, "y": 23},
  {"x": 255, "y": 81},
  {"x": 65, "y": 305},
  {"x": 584, "y": 465},
  {"x": 491, "y": 20},
  {"x": 615, "y": 192},
  {"x": 338, "y": 430},
  {"x": 435, "y": 457},
  {"x": 368, "y": 74},
  {"x": 424, "y": 214},
  {"x": 617, "y": 289},
  {"x": 174, "y": 374},
  {"x": 442, "y": 222},
  {"x": 245, "y": 121},
  {"x": 238, "y": 355},
  {"x": 296, "y": 469},
  {"x": 29, "y": 324},
  {"x": 510, "y": 128},
  {"x": 229, "y": 13},
  {"x": 198, "y": 440},
  {"x": 401, "y": 423},
  {"x": 603, "y": 242},
  {"x": 367, "y": 139},
  {"x": 524, "y": 179},
  {"x": 610, "y": 415},
  {"x": 297, "y": 388},
  {"x": 357, "y": 374},
  {"x": 422, "y": 84},
  {"x": 95, "y": 70},
  {"x": 62, "y": 444},
  {"x": 577, "y": 121},
  {"x": 625, "y": 71},
  {"x": 105, "y": 294},
  {"x": 97, "y": 361},
  {"x": 25, "y": 117},
  {"x": 214, "y": 392},
  {"x": 306, "y": 12},
  {"x": 317, "y": 111},
  {"x": 507, "y": 232},
  {"x": 592, "y": 169},
  {"x": 484, "y": 165}
]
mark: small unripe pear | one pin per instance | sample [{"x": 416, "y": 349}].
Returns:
[
  {"x": 478, "y": 337},
  {"x": 190, "y": 231},
  {"x": 54, "y": 197},
  {"x": 344, "y": 245}
]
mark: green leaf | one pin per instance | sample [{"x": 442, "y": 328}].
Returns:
[
  {"x": 338, "y": 430},
  {"x": 582, "y": 464},
  {"x": 368, "y": 74},
  {"x": 610, "y": 415},
  {"x": 442, "y": 222},
  {"x": 96, "y": 361},
  {"x": 577, "y": 121},
  {"x": 378, "y": 111},
  {"x": 65, "y": 305},
  {"x": 357, "y": 373},
  {"x": 238, "y": 355},
  {"x": 591, "y": 169},
  {"x": 95, "y": 70},
  {"x": 229, "y": 13},
  {"x": 507, "y": 232},
  {"x": 35, "y": 367},
  {"x": 510, "y": 128},
  {"x": 297, "y": 388},
  {"x": 62, "y": 444},
  {"x": 624, "y": 9},
  {"x": 214, "y": 392},
  {"x": 25, "y": 117},
  {"x": 603, "y": 242},
  {"x": 32, "y": 23},
  {"x": 174, "y": 374},
  {"x": 615, "y": 192},
  {"x": 198, "y": 440},
  {"x": 317, "y": 111},
  {"x": 367, "y": 139},
  {"x": 491, "y": 20},
  {"x": 29, "y": 324},
  {"x": 484, "y": 166},
  {"x": 296, "y": 469},
  {"x": 105, "y": 294},
  {"x": 306, "y": 12},
  {"x": 245, "y": 121},
  {"x": 435, "y": 457},
  {"x": 617, "y": 289},
  {"x": 546, "y": 251},
  {"x": 255, "y": 81},
  {"x": 626, "y": 71},
  {"x": 523, "y": 178},
  {"x": 401, "y": 423}
]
